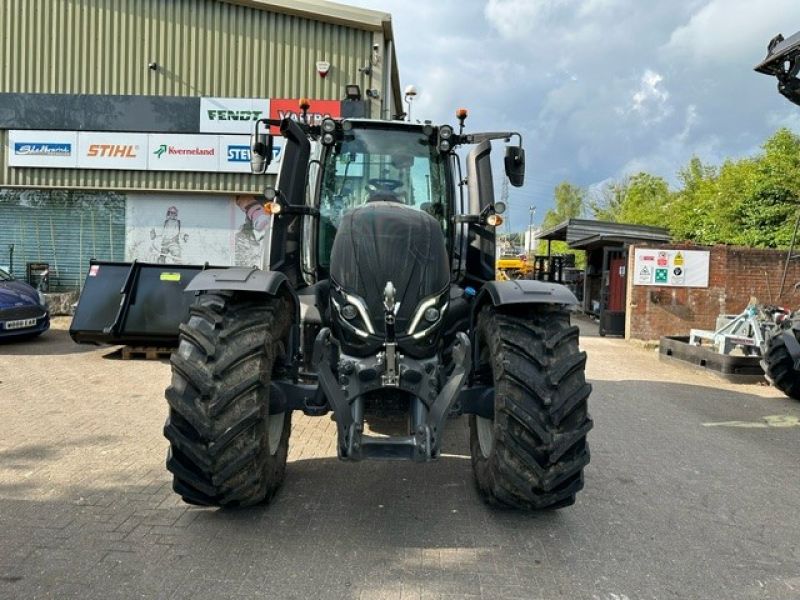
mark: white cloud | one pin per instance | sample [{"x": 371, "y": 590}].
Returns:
[
  {"x": 515, "y": 19},
  {"x": 732, "y": 31},
  {"x": 650, "y": 100},
  {"x": 598, "y": 88}
]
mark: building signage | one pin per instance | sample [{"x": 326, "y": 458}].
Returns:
[
  {"x": 235, "y": 154},
  {"x": 232, "y": 115},
  {"x": 672, "y": 268},
  {"x": 135, "y": 151},
  {"x": 126, "y": 151},
  {"x": 175, "y": 152},
  {"x": 58, "y": 149},
  {"x": 290, "y": 108}
]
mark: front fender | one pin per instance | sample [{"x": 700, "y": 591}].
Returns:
[
  {"x": 245, "y": 279},
  {"x": 523, "y": 291}
]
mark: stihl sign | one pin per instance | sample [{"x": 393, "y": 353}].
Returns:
[{"x": 112, "y": 151}]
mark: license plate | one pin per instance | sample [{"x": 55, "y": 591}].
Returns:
[{"x": 21, "y": 324}]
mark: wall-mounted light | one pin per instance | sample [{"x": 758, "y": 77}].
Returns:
[
  {"x": 374, "y": 94},
  {"x": 153, "y": 66},
  {"x": 352, "y": 91}
]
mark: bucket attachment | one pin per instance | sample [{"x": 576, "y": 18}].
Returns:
[{"x": 133, "y": 303}]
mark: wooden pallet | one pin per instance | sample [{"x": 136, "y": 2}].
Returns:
[{"x": 145, "y": 352}]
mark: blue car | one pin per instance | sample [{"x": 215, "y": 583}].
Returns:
[{"x": 23, "y": 310}]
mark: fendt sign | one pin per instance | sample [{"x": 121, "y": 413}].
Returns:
[{"x": 231, "y": 115}]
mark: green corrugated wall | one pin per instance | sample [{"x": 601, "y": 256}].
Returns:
[{"x": 204, "y": 48}]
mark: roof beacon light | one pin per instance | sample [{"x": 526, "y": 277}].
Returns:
[
  {"x": 461, "y": 115},
  {"x": 305, "y": 104}
]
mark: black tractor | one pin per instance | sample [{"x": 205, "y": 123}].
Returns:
[
  {"x": 781, "y": 352},
  {"x": 376, "y": 300}
]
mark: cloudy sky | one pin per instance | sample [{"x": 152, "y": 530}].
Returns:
[{"x": 598, "y": 88}]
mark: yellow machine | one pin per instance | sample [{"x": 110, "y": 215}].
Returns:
[{"x": 513, "y": 267}]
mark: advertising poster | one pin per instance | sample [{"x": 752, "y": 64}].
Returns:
[
  {"x": 232, "y": 115},
  {"x": 671, "y": 268},
  {"x": 191, "y": 229},
  {"x": 234, "y": 154},
  {"x": 57, "y": 149},
  {"x": 290, "y": 108},
  {"x": 124, "y": 151},
  {"x": 175, "y": 152}
]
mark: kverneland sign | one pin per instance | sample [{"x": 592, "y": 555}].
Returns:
[{"x": 170, "y": 152}]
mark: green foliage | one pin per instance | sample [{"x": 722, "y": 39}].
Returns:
[
  {"x": 750, "y": 201},
  {"x": 570, "y": 203}
]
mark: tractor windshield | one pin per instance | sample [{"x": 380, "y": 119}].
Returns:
[{"x": 374, "y": 164}]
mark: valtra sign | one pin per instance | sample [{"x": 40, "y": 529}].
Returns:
[{"x": 290, "y": 108}]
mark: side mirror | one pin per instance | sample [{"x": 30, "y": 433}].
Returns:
[
  {"x": 515, "y": 165},
  {"x": 260, "y": 152}
]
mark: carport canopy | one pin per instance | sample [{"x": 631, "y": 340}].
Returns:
[{"x": 587, "y": 234}]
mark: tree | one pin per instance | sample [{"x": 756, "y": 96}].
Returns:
[{"x": 569, "y": 203}]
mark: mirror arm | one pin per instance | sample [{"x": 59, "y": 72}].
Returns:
[{"x": 477, "y": 138}]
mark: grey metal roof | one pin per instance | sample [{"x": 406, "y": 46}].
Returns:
[{"x": 580, "y": 233}]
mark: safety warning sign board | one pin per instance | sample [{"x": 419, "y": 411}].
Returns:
[{"x": 671, "y": 268}]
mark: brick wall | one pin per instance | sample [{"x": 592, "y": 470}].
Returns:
[{"x": 735, "y": 274}]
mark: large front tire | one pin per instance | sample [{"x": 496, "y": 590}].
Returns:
[
  {"x": 532, "y": 454},
  {"x": 225, "y": 447},
  {"x": 779, "y": 367}
]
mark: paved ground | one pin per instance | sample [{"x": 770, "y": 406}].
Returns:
[{"x": 691, "y": 493}]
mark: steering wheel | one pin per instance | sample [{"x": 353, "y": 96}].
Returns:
[{"x": 384, "y": 185}]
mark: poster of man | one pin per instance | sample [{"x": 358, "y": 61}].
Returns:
[{"x": 183, "y": 229}]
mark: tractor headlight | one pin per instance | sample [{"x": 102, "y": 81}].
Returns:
[
  {"x": 328, "y": 126},
  {"x": 445, "y": 138},
  {"x": 427, "y": 315},
  {"x": 349, "y": 312},
  {"x": 353, "y": 312}
]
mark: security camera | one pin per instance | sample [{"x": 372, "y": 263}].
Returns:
[{"x": 376, "y": 47}]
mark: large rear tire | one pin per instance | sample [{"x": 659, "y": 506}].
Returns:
[
  {"x": 225, "y": 447},
  {"x": 779, "y": 367},
  {"x": 532, "y": 454}
]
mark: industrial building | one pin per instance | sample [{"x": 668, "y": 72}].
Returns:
[{"x": 124, "y": 123}]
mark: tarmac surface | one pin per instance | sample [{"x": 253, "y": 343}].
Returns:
[{"x": 693, "y": 492}]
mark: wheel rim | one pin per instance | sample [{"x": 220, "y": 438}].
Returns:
[
  {"x": 275, "y": 431},
  {"x": 485, "y": 430}
]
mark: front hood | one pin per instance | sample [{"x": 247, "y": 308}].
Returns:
[
  {"x": 17, "y": 293},
  {"x": 387, "y": 241}
]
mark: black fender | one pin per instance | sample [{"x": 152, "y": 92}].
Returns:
[
  {"x": 523, "y": 291},
  {"x": 245, "y": 279},
  {"x": 516, "y": 292}
]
